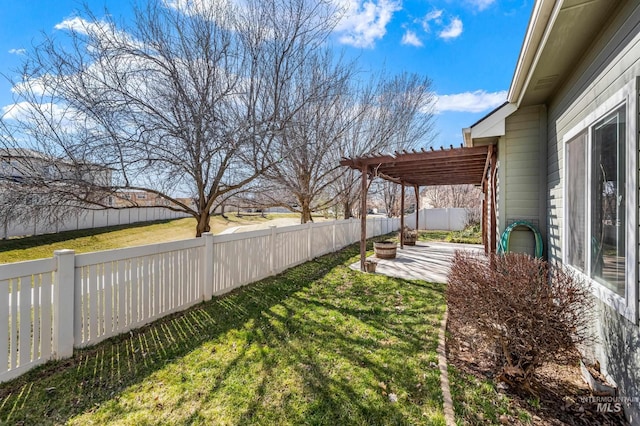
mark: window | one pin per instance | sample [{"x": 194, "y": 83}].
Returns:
[
  {"x": 608, "y": 201},
  {"x": 576, "y": 199},
  {"x": 600, "y": 201}
]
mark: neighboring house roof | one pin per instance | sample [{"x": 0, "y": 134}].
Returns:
[
  {"x": 37, "y": 155},
  {"x": 22, "y": 153}
]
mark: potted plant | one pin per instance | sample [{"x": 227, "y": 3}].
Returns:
[
  {"x": 409, "y": 236},
  {"x": 385, "y": 249}
]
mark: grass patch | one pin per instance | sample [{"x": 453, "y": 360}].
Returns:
[
  {"x": 469, "y": 235},
  {"x": 112, "y": 237},
  {"x": 433, "y": 235},
  {"x": 478, "y": 402},
  {"x": 318, "y": 344}
]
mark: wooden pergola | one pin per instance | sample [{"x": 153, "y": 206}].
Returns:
[{"x": 454, "y": 166}]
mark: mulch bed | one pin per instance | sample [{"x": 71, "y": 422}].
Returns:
[{"x": 562, "y": 393}]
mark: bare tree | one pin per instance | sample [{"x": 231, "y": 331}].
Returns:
[
  {"x": 398, "y": 116},
  {"x": 308, "y": 146},
  {"x": 189, "y": 100},
  {"x": 464, "y": 196}
]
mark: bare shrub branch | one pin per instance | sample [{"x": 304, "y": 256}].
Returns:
[{"x": 530, "y": 311}]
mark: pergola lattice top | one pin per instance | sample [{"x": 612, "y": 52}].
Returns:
[{"x": 425, "y": 168}]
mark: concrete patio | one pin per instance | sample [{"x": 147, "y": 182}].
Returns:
[{"x": 428, "y": 261}]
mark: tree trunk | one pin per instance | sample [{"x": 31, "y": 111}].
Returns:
[
  {"x": 347, "y": 209},
  {"x": 203, "y": 224},
  {"x": 306, "y": 212}
]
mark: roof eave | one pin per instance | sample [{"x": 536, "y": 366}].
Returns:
[
  {"x": 542, "y": 18},
  {"x": 490, "y": 126}
]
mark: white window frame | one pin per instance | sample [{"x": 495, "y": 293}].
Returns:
[{"x": 626, "y": 306}]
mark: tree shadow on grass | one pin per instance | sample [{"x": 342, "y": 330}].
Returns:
[{"x": 296, "y": 348}]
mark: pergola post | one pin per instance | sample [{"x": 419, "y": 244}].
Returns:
[
  {"x": 492, "y": 184},
  {"x": 417, "y": 190},
  {"x": 363, "y": 217},
  {"x": 485, "y": 215},
  {"x": 401, "y": 215}
]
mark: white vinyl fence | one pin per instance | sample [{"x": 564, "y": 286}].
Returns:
[
  {"x": 87, "y": 219},
  {"x": 451, "y": 219},
  {"x": 51, "y": 306}
]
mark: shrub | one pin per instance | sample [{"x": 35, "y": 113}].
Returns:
[{"x": 529, "y": 311}]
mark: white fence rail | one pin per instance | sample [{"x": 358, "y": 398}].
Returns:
[
  {"x": 87, "y": 219},
  {"x": 49, "y": 307}
]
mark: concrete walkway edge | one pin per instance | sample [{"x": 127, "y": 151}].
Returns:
[{"x": 447, "y": 402}]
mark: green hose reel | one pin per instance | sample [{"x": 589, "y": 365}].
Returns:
[{"x": 503, "y": 246}]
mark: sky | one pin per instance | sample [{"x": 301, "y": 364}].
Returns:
[{"x": 468, "y": 48}]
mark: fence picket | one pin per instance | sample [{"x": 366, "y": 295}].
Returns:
[
  {"x": 14, "y": 324},
  {"x": 35, "y": 333},
  {"x": 24, "y": 333},
  {"x": 93, "y": 302},
  {"x": 108, "y": 299},
  {"x": 134, "y": 280},
  {"x": 122, "y": 290},
  {"x": 46, "y": 322},
  {"x": 4, "y": 326}
]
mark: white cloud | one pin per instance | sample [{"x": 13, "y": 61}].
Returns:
[
  {"x": 433, "y": 16},
  {"x": 411, "y": 39},
  {"x": 74, "y": 24},
  {"x": 481, "y": 4},
  {"x": 477, "y": 101},
  {"x": 17, "y": 51},
  {"x": 453, "y": 30},
  {"x": 366, "y": 21}
]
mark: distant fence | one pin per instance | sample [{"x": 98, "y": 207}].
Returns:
[
  {"x": 453, "y": 219},
  {"x": 51, "y": 306},
  {"x": 87, "y": 219}
]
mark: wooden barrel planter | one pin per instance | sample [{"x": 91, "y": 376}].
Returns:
[{"x": 385, "y": 249}]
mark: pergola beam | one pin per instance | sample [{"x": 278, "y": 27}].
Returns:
[{"x": 413, "y": 156}]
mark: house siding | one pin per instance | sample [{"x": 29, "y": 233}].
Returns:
[
  {"x": 611, "y": 63},
  {"x": 522, "y": 175}
]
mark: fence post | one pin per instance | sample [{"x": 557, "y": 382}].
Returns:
[
  {"x": 309, "y": 232},
  {"x": 63, "y": 303},
  {"x": 272, "y": 249},
  {"x": 207, "y": 285}
]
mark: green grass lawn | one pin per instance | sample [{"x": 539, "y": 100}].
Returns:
[
  {"x": 469, "y": 235},
  {"x": 89, "y": 240},
  {"x": 319, "y": 344}
]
